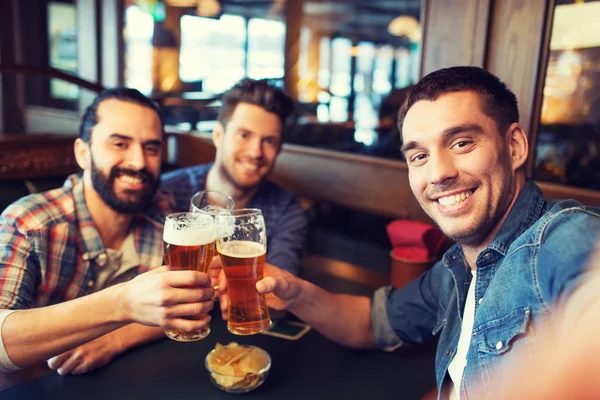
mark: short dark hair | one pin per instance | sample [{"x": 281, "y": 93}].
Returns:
[
  {"x": 498, "y": 102},
  {"x": 90, "y": 117},
  {"x": 263, "y": 93}
]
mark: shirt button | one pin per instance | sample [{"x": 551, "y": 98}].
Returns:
[
  {"x": 480, "y": 300},
  {"x": 449, "y": 352},
  {"x": 101, "y": 259},
  {"x": 498, "y": 345},
  {"x": 85, "y": 256},
  {"x": 91, "y": 283}
]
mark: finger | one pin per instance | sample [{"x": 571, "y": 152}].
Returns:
[
  {"x": 179, "y": 279},
  {"x": 224, "y": 305},
  {"x": 189, "y": 309},
  {"x": 73, "y": 361},
  {"x": 216, "y": 262},
  {"x": 55, "y": 362},
  {"x": 173, "y": 296},
  {"x": 266, "y": 285}
]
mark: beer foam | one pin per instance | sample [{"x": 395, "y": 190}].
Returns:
[
  {"x": 242, "y": 248},
  {"x": 195, "y": 236}
]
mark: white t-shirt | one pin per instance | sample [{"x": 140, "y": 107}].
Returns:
[{"x": 459, "y": 362}]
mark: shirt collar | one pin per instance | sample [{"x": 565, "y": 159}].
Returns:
[
  {"x": 527, "y": 209},
  {"x": 90, "y": 240}
]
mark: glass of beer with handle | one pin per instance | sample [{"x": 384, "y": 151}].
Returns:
[
  {"x": 242, "y": 246},
  {"x": 211, "y": 202},
  {"x": 189, "y": 244}
]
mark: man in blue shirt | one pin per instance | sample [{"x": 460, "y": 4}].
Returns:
[
  {"x": 517, "y": 256},
  {"x": 248, "y": 137}
]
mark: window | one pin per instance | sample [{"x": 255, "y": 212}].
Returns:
[{"x": 568, "y": 140}]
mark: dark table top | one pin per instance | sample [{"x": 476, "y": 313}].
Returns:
[{"x": 311, "y": 367}]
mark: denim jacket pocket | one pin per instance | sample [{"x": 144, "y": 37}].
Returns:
[{"x": 497, "y": 336}]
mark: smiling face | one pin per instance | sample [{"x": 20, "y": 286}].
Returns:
[
  {"x": 248, "y": 145},
  {"x": 461, "y": 169},
  {"x": 122, "y": 161}
]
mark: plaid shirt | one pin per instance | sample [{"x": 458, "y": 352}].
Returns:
[
  {"x": 51, "y": 252},
  {"x": 285, "y": 219}
]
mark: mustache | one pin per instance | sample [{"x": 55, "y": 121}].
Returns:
[{"x": 142, "y": 174}]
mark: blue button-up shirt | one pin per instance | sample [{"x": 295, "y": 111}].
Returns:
[
  {"x": 285, "y": 219},
  {"x": 529, "y": 268}
]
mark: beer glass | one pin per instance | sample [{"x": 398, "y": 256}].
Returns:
[
  {"x": 211, "y": 202},
  {"x": 189, "y": 244},
  {"x": 242, "y": 246}
]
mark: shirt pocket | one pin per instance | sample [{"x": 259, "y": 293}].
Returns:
[{"x": 498, "y": 336}]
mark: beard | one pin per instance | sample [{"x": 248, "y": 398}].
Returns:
[
  {"x": 487, "y": 217},
  {"x": 228, "y": 175},
  {"x": 135, "y": 201}
]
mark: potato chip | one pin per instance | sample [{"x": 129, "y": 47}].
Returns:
[{"x": 236, "y": 366}]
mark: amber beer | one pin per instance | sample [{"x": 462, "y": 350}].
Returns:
[
  {"x": 243, "y": 263},
  {"x": 188, "y": 245}
]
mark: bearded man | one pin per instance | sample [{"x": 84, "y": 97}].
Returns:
[{"x": 68, "y": 256}]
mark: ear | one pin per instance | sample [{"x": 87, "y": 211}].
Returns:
[
  {"x": 82, "y": 154},
  {"x": 518, "y": 146},
  {"x": 217, "y": 135}
]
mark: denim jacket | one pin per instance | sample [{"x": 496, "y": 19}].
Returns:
[{"x": 531, "y": 266}]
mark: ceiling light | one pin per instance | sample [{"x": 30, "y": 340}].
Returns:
[{"x": 405, "y": 25}]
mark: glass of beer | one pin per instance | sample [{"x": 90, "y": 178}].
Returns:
[
  {"x": 211, "y": 202},
  {"x": 189, "y": 244},
  {"x": 242, "y": 246}
]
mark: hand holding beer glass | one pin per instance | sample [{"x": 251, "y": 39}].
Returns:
[
  {"x": 242, "y": 246},
  {"x": 189, "y": 244}
]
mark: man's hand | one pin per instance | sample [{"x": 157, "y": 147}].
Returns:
[
  {"x": 279, "y": 286},
  {"x": 87, "y": 357},
  {"x": 165, "y": 298}
]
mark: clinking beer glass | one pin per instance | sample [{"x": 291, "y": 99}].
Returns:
[
  {"x": 242, "y": 246},
  {"x": 211, "y": 202},
  {"x": 189, "y": 244}
]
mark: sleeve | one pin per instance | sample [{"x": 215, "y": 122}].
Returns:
[
  {"x": 18, "y": 267},
  {"x": 566, "y": 243},
  {"x": 6, "y": 365},
  {"x": 408, "y": 315},
  {"x": 286, "y": 245}
]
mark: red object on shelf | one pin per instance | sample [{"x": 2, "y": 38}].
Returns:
[{"x": 415, "y": 248}]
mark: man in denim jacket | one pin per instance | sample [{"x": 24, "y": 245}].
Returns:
[{"x": 516, "y": 258}]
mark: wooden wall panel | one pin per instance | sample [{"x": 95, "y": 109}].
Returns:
[
  {"x": 514, "y": 48},
  {"x": 454, "y": 33},
  {"x": 358, "y": 182}
]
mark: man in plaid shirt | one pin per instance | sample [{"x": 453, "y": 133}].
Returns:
[{"x": 68, "y": 256}]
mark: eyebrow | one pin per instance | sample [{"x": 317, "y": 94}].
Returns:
[
  {"x": 452, "y": 131},
  {"x": 155, "y": 142}
]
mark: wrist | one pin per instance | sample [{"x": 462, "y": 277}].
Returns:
[{"x": 120, "y": 298}]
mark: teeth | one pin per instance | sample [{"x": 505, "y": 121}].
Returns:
[
  {"x": 130, "y": 179},
  {"x": 453, "y": 199}
]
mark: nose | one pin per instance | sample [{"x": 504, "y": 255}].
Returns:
[
  {"x": 136, "y": 158},
  {"x": 255, "y": 148},
  {"x": 441, "y": 168}
]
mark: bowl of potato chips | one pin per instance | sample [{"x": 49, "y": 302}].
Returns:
[{"x": 236, "y": 368}]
